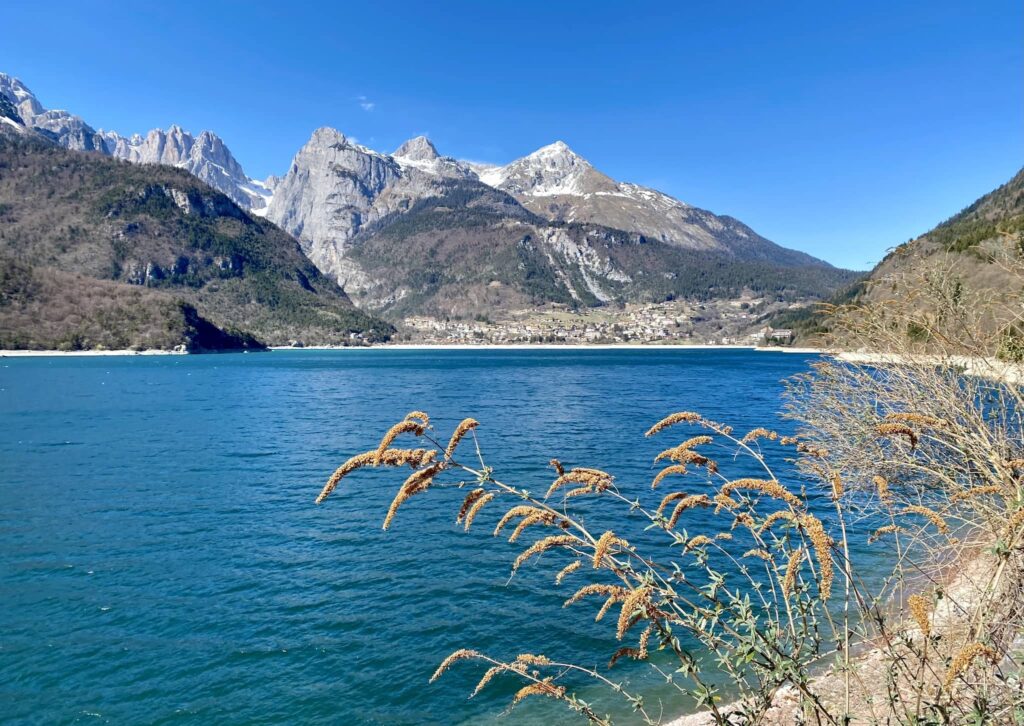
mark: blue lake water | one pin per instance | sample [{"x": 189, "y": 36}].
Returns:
[{"x": 161, "y": 559}]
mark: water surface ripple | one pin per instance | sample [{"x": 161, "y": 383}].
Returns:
[{"x": 161, "y": 560}]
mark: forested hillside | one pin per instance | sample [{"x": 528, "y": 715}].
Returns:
[{"x": 159, "y": 229}]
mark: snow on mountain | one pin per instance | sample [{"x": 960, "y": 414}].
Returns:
[
  {"x": 553, "y": 170},
  {"x": 557, "y": 183},
  {"x": 420, "y": 153},
  {"x": 205, "y": 156},
  {"x": 337, "y": 193}
]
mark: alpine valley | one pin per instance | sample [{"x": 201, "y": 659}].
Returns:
[{"x": 444, "y": 249}]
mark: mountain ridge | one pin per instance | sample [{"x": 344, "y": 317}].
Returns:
[
  {"x": 979, "y": 249},
  {"x": 584, "y": 228},
  {"x": 158, "y": 230}
]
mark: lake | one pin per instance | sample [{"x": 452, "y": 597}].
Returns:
[{"x": 162, "y": 561}]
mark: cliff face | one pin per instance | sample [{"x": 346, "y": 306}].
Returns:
[
  {"x": 587, "y": 238},
  {"x": 160, "y": 228},
  {"x": 205, "y": 156}
]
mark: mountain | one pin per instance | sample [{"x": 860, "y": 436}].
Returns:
[
  {"x": 76, "y": 219},
  {"x": 46, "y": 309},
  {"x": 205, "y": 156},
  {"x": 560, "y": 185},
  {"x": 979, "y": 251},
  {"x": 471, "y": 250},
  {"x": 403, "y": 233},
  {"x": 420, "y": 153},
  {"x": 594, "y": 240}
]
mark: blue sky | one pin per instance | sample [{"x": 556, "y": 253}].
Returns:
[{"x": 838, "y": 128}]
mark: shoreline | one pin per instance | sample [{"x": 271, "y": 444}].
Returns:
[
  {"x": 419, "y": 346},
  {"x": 974, "y": 366},
  {"x": 86, "y": 353}
]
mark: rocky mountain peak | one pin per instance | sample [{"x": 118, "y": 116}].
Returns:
[
  {"x": 66, "y": 129},
  {"x": 552, "y": 170},
  {"x": 558, "y": 148},
  {"x": 419, "y": 148},
  {"x": 20, "y": 96},
  {"x": 327, "y": 136}
]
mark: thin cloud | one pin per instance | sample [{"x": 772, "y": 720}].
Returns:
[{"x": 366, "y": 104}]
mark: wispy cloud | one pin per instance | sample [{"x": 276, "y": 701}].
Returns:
[{"x": 365, "y": 103}]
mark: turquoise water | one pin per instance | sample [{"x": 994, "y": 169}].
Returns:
[{"x": 161, "y": 559}]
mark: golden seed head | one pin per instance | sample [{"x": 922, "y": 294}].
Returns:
[
  {"x": 1015, "y": 464},
  {"x": 468, "y": 502},
  {"x": 645, "y": 638},
  {"x": 597, "y": 588},
  {"x": 917, "y": 418},
  {"x": 543, "y": 688},
  {"x": 557, "y": 466},
  {"x": 612, "y": 599},
  {"x": 543, "y": 545},
  {"x": 458, "y": 655},
  {"x": 1014, "y": 523},
  {"x": 595, "y": 478},
  {"x": 488, "y": 675},
  {"x": 687, "y": 502},
  {"x": 531, "y": 519},
  {"x": 392, "y": 457},
  {"x": 774, "y": 517},
  {"x": 724, "y": 501},
  {"x": 882, "y": 487},
  {"x": 759, "y": 433},
  {"x": 837, "y": 485},
  {"x": 622, "y": 653},
  {"x": 975, "y": 492},
  {"x": 792, "y": 570},
  {"x": 402, "y": 427},
  {"x": 759, "y": 553},
  {"x": 419, "y": 481},
  {"x": 520, "y": 510},
  {"x": 963, "y": 660},
  {"x": 636, "y": 600},
  {"x": 475, "y": 509},
  {"x": 742, "y": 518},
  {"x": 530, "y": 659},
  {"x": 668, "y": 471},
  {"x": 822, "y": 544},
  {"x": 930, "y": 514},
  {"x": 770, "y": 487},
  {"x": 567, "y": 570},
  {"x": 882, "y": 531},
  {"x": 604, "y": 544},
  {"x": 419, "y": 416},
  {"x": 723, "y": 535},
  {"x": 683, "y": 455},
  {"x": 356, "y": 462},
  {"x": 811, "y": 450},
  {"x": 920, "y": 611},
  {"x": 694, "y": 542},
  {"x": 897, "y": 429},
  {"x": 411, "y": 457},
  {"x": 672, "y": 420},
  {"x": 464, "y": 427}
]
